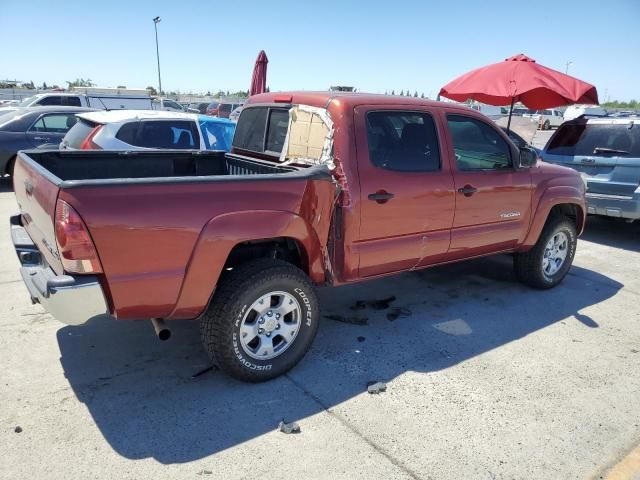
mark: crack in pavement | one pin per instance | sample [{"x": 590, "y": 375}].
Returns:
[{"x": 394, "y": 461}]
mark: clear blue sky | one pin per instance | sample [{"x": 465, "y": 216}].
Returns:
[{"x": 374, "y": 46}]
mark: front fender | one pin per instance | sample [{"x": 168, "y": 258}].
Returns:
[
  {"x": 224, "y": 232},
  {"x": 551, "y": 197}
]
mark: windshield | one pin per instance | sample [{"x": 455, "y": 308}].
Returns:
[
  {"x": 587, "y": 139},
  {"x": 27, "y": 101}
]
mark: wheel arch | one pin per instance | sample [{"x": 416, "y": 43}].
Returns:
[
  {"x": 232, "y": 239},
  {"x": 566, "y": 201}
]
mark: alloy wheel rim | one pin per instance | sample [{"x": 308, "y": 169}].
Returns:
[
  {"x": 270, "y": 326},
  {"x": 555, "y": 253}
]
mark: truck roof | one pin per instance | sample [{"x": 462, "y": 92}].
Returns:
[{"x": 322, "y": 99}]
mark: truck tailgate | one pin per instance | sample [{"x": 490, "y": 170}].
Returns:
[{"x": 37, "y": 192}]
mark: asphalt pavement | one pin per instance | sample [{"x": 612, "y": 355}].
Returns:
[{"x": 485, "y": 379}]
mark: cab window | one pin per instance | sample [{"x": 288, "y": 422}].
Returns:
[
  {"x": 403, "y": 141},
  {"x": 477, "y": 146}
]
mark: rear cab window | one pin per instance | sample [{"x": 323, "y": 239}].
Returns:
[{"x": 262, "y": 130}]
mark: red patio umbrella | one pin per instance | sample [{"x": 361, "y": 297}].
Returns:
[
  {"x": 520, "y": 79},
  {"x": 259, "y": 77}
]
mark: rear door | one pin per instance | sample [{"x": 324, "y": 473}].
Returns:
[
  {"x": 50, "y": 128},
  {"x": 406, "y": 189},
  {"x": 493, "y": 199},
  {"x": 605, "y": 152}
]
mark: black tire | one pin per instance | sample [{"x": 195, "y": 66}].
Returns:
[
  {"x": 546, "y": 125},
  {"x": 529, "y": 266},
  {"x": 9, "y": 168},
  {"x": 237, "y": 291}
]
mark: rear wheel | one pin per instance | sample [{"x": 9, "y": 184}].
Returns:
[
  {"x": 549, "y": 261},
  {"x": 261, "y": 321}
]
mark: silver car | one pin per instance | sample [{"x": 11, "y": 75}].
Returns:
[{"x": 606, "y": 151}]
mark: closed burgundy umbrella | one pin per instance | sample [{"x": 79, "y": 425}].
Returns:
[
  {"x": 520, "y": 79},
  {"x": 259, "y": 77}
]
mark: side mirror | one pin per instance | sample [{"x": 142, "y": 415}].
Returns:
[{"x": 528, "y": 157}]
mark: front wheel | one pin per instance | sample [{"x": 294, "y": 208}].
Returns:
[
  {"x": 549, "y": 261},
  {"x": 262, "y": 320}
]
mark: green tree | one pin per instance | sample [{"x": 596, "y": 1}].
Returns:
[
  {"x": 393, "y": 92},
  {"x": 415, "y": 94},
  {"x": 80, "y": 82},
  {"x": 402, "y": 93},
  {"x": 422, "y": 95},
  {"x": 152, "y": 90},
  {"x": 122, "y": 86}
]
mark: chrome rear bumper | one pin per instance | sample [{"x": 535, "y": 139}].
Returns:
[{"x": 72, "y": 300}]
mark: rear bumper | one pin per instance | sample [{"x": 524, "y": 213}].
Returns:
[
  {"x": 614, "y": 205},
  {"x": 72, "y": 300}
]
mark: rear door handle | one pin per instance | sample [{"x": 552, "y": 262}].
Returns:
[
  {"x": 42, "y": 138},
  {"x": 381, "y": 196},
  {"x": 467, "y": 190}
]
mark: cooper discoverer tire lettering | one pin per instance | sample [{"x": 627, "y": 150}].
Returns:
[{"x": 261, "y": 321}]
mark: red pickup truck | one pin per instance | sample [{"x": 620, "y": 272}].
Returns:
[{"x": 320, "y": 188}]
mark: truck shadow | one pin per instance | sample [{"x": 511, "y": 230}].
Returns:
[
  {"x": 613, "y": 232},
  {"x": 144, "y": 399}
]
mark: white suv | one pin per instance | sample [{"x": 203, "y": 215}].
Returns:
[
  {"x": 546, "y": 119},
  {"x": 144, "y": 129}
]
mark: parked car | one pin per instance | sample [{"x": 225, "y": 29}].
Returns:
[
  {"x": 575, "y": 111},
  {"x": 144, "y": 129},
  {"x": 606, "y": 151},
  {"x": 370, "y": 186},
  {"x": 27, "y": 128},
  {"x": 220, "y": 109},
  {"x": 625, "y": 114},
  {"x": 546, "y": 119},
  {"x": 91, "y": 100},
  {"x": 166, "y": 104},
  {"x": 201, "y": 107},
  {"x": 235, "y": 114}
]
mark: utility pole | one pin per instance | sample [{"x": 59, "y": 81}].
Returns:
[
  {"x": 156, "y": 21},
  {"x": 566, "y": 70}
]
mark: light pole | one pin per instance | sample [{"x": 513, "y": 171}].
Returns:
[
  {"x": 156, "y": 21},
  {"x": 566, "y": 70}
]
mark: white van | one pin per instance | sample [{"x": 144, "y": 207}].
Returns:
[
  {"x": 107, "y": 101},
  {"x": 574, "y": 111}
]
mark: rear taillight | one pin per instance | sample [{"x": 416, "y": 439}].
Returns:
[
  {"x": 75, "y": 246},
  {"x": 88, "y": 143}
]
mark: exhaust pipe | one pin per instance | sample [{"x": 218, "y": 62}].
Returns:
[{"x": 162, "y": 331}]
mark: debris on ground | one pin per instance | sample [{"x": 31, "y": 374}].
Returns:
[
  {"x": 382, "y": 304},
  {"x": 287, "y": 428},
  {"x": 361, "y": 339},
  {"x": 351, "y": 320},
  {"x": 375, "y": 388},
  {"x": 204, "y": 472},
  {"x": 202, "y": 372},
  {"x": 18, "y": 429},
  {"x": 397, "y": 313}
]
